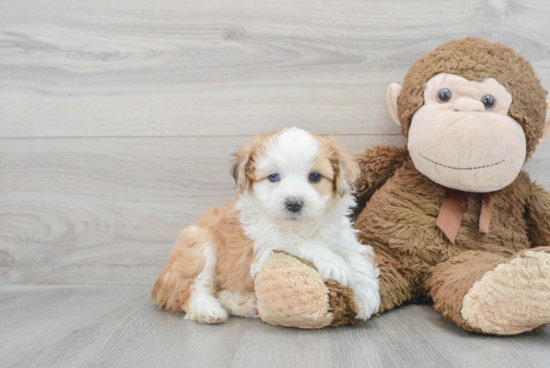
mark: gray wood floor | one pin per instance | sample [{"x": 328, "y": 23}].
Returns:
[
  {"x": 117, "y": 121},
  {"x": 117, "y": 326}
]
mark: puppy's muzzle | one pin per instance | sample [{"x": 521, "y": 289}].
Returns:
[{"x": 294, "y": 204}]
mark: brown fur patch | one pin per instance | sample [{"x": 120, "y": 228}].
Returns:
[
  {"x": 344, "y": 168},
  {"x": 235, "y": 249},
  {"x": 243, "y": 169},
  {"x": 186, "y": 261},
  {"x": 342, "y": 304},
  {"x": 323, "y": 166},
  {"x": 395, "y": 288},
  {"x": 220, "y": 228},
  {"x": 476, "y": 60},
  {"x": 537, "y": 214},
  {"x": 452, "y": 280},
  {"x": 377, "y": 165},
  {"x": 399, "y": 222}
]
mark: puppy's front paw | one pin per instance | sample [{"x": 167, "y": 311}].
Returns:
[
  {"x": 368, "y": 302},
  {"x": 334, "y": 267},
  {"x": 206, "y": 309}
]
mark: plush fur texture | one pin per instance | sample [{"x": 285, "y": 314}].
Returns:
[
  {"x": 476, "y": 60},
  {"x": 494, "y": 283},
  {"x": 342, "y": 304},
  {"x": 281, "y": 206},
  {"x": 512, "y": 298},
  {"x": 451, "y": 281},
  {"x": 292, "y": 293},
  {"x": 417, "y": 262},
  {"x": 461, "y": 145}
]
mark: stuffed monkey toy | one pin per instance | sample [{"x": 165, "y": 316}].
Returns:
[{"x": 452, "y": 217}]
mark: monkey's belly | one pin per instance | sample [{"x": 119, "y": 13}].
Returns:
[{"x": 399, "y": 220}]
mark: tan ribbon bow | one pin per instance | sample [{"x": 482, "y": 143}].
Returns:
[{"x": 453, "y": 208}]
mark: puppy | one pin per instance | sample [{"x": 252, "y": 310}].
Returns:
[{"x": 294, "y": 196}]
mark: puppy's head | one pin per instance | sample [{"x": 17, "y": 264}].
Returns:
[{"x": 294, "y": 176}]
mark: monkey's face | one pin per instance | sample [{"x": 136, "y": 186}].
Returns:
[{"x": 463, "y": 138}]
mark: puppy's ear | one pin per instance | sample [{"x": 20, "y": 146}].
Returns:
[
  {"x": 243, "y": 166},
  {"x": 346, "y": 169}
]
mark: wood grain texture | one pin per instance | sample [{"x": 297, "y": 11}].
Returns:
[
  {"x": 108, "y": 210},
  {"x": 84, "y": 326},
  {"x": 217, "y": 67}
]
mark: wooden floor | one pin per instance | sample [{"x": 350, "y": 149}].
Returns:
[
  {"x": 117, "y": 123},
  {"x": 117, "y": 326}
]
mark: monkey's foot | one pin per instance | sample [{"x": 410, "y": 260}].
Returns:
[{"x": 513, "y": 298}]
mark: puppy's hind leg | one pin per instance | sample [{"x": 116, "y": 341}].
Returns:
[
  {"x": 186, "y": 282},
  {"x": 203, "y": 306}
]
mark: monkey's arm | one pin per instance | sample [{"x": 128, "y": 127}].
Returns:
[
  {"x": 537, "y": 215},
  {"x": 377, "y": 165}
]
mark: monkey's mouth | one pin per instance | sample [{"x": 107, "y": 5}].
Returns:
[{"x": 461, "y": 168}]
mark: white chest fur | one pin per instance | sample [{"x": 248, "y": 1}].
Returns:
[{"x": 330, "y": 244}]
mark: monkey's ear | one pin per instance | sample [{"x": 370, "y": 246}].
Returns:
[
  {"x": 394, "y": 90},
  {"x": 546, "y": 131}
]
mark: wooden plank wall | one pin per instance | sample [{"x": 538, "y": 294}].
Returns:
[{"x": 118, "y": 118}]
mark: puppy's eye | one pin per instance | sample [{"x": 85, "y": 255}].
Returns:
[
  {"x": 274, "y": 177},
  {"x": 444, "y": 95},
  {"x": 314, "y": 177},
  {"x": 489, "y": 102}
]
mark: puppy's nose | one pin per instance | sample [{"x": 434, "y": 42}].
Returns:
[{"x": 294, "y": 204}]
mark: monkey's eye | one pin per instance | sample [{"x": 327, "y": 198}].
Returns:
[
  {"x": 314, "y": 177},
  {"x": 274, "y": 177},
  {"x": 489, "y": 102},
  {"x": 444, "y": 95}
]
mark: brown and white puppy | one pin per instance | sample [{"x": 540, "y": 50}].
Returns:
[{"x": 294, "y": 196}]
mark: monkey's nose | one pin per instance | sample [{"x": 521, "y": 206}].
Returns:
[
  {"x": 468, "y": 105},
  {"x": 294, "y": 204}
]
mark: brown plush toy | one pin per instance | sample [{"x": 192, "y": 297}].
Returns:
[{"x": 452, "y": 217}]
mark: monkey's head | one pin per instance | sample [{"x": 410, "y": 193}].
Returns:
[{"x": 473, "y": 112}]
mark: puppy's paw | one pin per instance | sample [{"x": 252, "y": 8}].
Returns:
[
  {"x": 368, "y": 302},
  {"x": 206, "y": 309},
  {"x": 334, "y": 267},
  {"x": 240, "y": 304},
  {"x": 251, "y": 310}
]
